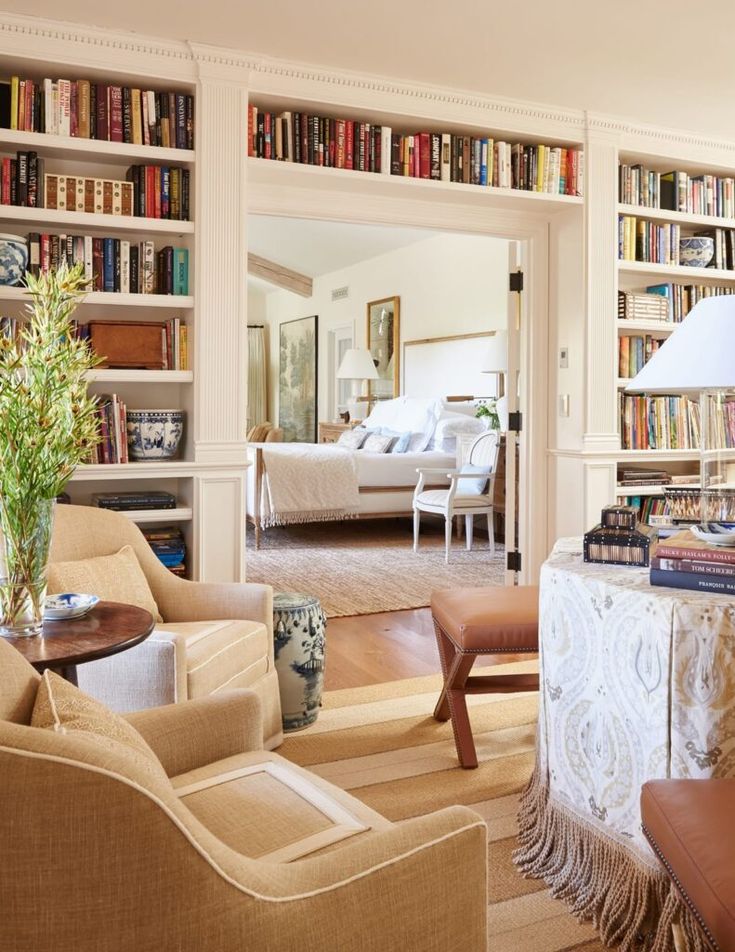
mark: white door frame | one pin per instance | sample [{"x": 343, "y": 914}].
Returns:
[{"x": 440, "y": 212}]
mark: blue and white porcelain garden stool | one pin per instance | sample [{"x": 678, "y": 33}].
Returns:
[{"x": 299, "y": 626}]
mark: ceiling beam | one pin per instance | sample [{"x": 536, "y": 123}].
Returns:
[{"x": 282, "y": 277}]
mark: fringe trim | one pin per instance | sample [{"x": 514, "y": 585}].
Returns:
[
  {"x": 631, "y": 907},
  {"x": 301, "y": 518}
]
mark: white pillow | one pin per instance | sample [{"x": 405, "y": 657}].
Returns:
[
  {"x": 377, "y": 443},
  {"x": 413, "y": 414},
  {"x": 465, "y": 407},
  {"x": 450, "y": 426},
  {"x": 419, "y": 442},
  {"x": 352, "y": 439}
]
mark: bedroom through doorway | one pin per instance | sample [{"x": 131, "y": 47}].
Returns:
[{"x": 376, "y": 352}]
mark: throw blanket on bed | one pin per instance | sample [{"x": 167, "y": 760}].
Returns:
[{"x": 307, "y": 482}]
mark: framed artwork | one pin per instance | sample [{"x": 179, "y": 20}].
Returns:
[{"x": 297, "y": 380}]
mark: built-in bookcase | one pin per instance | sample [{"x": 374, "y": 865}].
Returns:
[{"x": 697, "y": 188}]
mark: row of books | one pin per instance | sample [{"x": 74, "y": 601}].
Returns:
[
  {"x": 86, "y": 110},
  {"x": 656, "y": 423},
  {"x": 112, "y": 419},
  {"x": 149, "y": 191},
  {"x": 641, "y": 240},
  {"x": 634, "y": 352},
  {"x": 683, "y": 561},
  {"x": 640, "y": 476},
  {"x": 647, "y": 506},
  {"x": 365, "y": 147},
  {"x": 113, "y": 264},
  {"x": 681, "y": 298},
  {"x": 677, "y": 191}
]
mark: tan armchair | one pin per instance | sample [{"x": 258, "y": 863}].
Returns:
[
  {"x": 99, "y": 853},
  {"x": 214, "y": 636}
]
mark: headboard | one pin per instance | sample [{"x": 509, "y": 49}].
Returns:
[{"x": 438, "y": 366}]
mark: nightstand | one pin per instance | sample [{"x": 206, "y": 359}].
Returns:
[{"x": 331, "y": 432}]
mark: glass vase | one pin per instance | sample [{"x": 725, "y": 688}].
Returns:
[{"x": 25, "y": 539}]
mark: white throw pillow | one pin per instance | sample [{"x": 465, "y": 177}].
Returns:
[
  {"x": 377, "y": 443},
  {"x": 415, "y": 414},
  {"x": 450, "y": 426},
  {"x": 352, "y": 439}
]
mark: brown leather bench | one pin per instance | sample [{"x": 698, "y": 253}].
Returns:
[
  {"x": 690, "y": 825},
  {"x": 470, "y": 622}
]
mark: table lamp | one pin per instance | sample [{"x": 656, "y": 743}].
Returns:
[
  {"x": 357, "y": 365},
  {"x": 495, "y": 361},
  {"x": 697, "y": 359}
]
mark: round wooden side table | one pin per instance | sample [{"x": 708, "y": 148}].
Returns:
[{"x": 108, "y": 628}]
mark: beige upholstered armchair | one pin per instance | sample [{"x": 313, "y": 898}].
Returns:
[
  {"x": 214, "y": 636},
  {"x": 202, "y": 842}
]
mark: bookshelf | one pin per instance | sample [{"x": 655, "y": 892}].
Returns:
[{"x": 208, "y": 475}]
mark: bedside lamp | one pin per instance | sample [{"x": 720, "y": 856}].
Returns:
[
  {"x": 698, "y": 359},
  {"x": 357, "y": 365},
  {"x": 496, "y": 362}
]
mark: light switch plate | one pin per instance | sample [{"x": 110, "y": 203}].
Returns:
[
  {"x": 564, "y": 357},
  {"x": 564, "y": 405}
]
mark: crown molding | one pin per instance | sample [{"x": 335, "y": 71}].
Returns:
[{"x": 663, "y": 141}]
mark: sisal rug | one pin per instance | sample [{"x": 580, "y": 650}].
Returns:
[
  {"x": 359, "y": 567},
  {"x": 382, "y": 745}
]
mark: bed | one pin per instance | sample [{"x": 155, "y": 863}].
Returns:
[{"x": 291, "y": 483}]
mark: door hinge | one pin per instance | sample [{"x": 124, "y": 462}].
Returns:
[
  {"x": 514, "y": 561},
  {"x": 515, "y": 421},
  {"x": 516, "y": 281}
]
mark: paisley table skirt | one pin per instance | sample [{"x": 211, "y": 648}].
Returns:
[{"x": 637, "y": 683}]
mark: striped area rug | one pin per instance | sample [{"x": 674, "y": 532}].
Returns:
[{"x": 382, "y": 744}]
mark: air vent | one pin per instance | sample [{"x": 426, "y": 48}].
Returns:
[{"x": 340, "y": 294}]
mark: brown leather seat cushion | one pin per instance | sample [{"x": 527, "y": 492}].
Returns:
[
  {"x": 489, "y": 619},
  {"x": 690, "y": 823}
]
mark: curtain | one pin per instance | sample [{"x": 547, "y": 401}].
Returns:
[{"x": 257, "y": 389}]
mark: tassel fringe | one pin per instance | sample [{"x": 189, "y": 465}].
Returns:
[
  {"x": 633, "y": 908},
  {"x": 301, "y": 518}
]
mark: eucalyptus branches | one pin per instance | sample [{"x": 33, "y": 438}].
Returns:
[{"x": 48, "y": 422}]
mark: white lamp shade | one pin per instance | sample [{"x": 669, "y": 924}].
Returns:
[
  {"x": 357, "y": 364},
  {"x": 496, "y": 355},
  {"x": 699, "y": 355}
]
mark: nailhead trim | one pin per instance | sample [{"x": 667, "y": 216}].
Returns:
[{"x": 692, "y": 908}]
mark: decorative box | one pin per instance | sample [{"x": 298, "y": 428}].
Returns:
[
  {"x": 620, "y": 544},
  {"x": 129, "y": 345},
  {"x": 619, "y": 517}
]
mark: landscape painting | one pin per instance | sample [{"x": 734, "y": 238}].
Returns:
[{"x": 297, "y": 380}]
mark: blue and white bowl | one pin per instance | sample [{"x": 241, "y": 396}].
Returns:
[
  {"x": 696, "y": 252},
  {"x": 154, "y": 434},
  {"x": 68, "y": 605},
  {"x": 13, "y": 259}
]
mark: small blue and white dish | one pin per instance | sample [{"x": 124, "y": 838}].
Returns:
[
  {"x": 714, "y": 533},
  {"x": 13, "y": 259},
  {"x": 154, "y": 434},
  {"x": 68, "y": 605}
]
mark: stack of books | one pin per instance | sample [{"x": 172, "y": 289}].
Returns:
[
  {"x": 168, "y": 544},
  {"x": 638, "y": 476},
  {"x": 131, "y": 501},
  {"x": 648, "y": 306},
  {"x": 682, "y": 561},
  {"x": 677, "y": 191}
]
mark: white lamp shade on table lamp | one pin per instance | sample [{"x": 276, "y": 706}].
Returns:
[
  {"x": 357, "y": 364},
  {"x": 699, "y": 355},
  {"x": 496, "y": 362}
]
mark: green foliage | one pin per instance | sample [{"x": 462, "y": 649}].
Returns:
[
  {"x": 48, "y": 422},
  {"x": 488, "y": 408}
]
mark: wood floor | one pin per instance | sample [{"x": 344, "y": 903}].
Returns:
[{"x": 371, "y": 649}]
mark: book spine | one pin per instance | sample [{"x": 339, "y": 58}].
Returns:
[
  {"x": 124, "y": 267},
  {"x": 698, "y": 568},
  {"x": 108, "y": 278},
  {"x": 692, "y": 553},
  {"x": 693, "y": 582},
  {"x": 116, "y": 114},
  {"x": 88, "y": 260}
]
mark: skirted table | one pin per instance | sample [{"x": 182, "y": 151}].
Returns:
[{"x": 637, "y": 683}]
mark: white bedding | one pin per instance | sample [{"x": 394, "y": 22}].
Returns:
[{"x": 398, "y": 469}]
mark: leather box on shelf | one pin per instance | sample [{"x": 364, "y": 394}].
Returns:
[{"x": 126, "y": 344}]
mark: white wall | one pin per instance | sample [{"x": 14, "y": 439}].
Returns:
[{"x": 448, "y": 285}]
